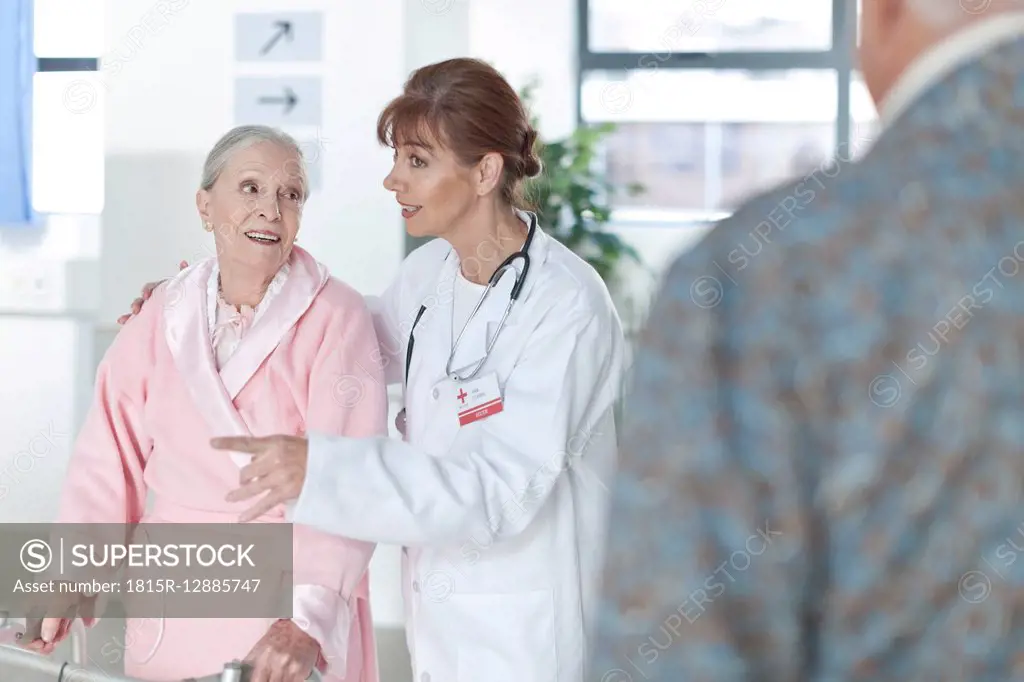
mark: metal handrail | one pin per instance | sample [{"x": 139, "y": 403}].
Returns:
[
  {"x": 28, "y": 661},
  {"x": 75, "y": 670},
  {"x": 79, "y": 649}
]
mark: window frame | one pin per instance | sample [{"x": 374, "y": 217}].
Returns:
[
  {"x": 62, "y": 64},
  {"x": 839, "y": 59}
]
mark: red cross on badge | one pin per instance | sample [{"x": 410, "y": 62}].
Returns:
[{"x": 481, "y": 400}]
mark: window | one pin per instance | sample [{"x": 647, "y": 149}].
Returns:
[
  {"x": 67, "y": 141},
  {"x": 709, "y": 25},
  {"x": 715, "y": 100}
]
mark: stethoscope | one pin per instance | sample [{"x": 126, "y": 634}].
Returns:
[{"x": 517, "y": 288}]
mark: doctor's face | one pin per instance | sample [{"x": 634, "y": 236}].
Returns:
[
  {"x": 434, "y": 189},
  {"x": 255, "y": 207}
]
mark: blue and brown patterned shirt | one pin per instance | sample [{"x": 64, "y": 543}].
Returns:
[{"x": 823, "y": 469}]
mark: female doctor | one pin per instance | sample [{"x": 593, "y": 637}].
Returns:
[{"x": 511, "y": 374}]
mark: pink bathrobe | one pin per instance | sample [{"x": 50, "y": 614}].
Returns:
[{"x": 159, "y": 400}]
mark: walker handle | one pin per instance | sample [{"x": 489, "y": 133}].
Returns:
[
  {"x": 14, "y": 655},
  {"x": 18, "y": 630},
  {"x": 237, "y": 671}
]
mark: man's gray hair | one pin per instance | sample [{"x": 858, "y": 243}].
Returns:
[
  {"x": 241, "y": 137},
  {"x": 952, "y": 12}
]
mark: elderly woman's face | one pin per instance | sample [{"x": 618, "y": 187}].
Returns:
[{"x": 256, "y": 206}]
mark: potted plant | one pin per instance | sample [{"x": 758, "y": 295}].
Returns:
[{"x": 572, "y": 197}]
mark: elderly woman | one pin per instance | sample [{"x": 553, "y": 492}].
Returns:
[{"x": 254, "y": 341}]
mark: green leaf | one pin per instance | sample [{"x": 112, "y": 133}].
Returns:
[{"x": 635, "y": 189}]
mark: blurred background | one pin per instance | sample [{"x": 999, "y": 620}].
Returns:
[{"x": 661, "y": 115}]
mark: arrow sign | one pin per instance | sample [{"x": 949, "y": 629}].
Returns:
[
  {"x": 278, "y": 100},
  {"x": 284, "y": 30},
  {"x": 279, "y": 36},
  {"x": 289, "y": 100}
]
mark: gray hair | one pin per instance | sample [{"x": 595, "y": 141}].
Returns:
[
  {"x": 244, "y": 136},
  {"x": 944, "y": 13}
]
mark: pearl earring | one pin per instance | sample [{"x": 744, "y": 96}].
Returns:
[{"x": 208, "y": 226}]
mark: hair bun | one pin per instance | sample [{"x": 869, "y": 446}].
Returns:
[{"x": 530, "y": 162}]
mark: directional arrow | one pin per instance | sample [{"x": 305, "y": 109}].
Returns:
[
  {"x": 284, "y": 30},
  {"x": 289, "y": 100}
]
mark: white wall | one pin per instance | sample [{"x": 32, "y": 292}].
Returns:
[{"x": 527, "y": 39}]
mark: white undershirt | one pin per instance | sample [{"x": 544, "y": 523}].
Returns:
[{"x": 465, "y": 296}]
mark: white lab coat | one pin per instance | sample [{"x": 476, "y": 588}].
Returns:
[{"x": 502, "y": 520}]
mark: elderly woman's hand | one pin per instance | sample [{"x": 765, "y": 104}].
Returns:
[
  {"x": 284, "y": 654},
  {"x": 147, "y": 291},
  {"x": 53, "y": 629},
  {"x": 53, "y": 632}
]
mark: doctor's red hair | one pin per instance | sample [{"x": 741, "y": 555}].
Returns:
[{"x": 466, "y": 106}]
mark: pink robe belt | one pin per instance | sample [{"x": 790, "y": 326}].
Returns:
[{"x": 166, "y": 511}]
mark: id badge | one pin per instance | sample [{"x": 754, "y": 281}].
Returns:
[{"x": 478, "y": 399}]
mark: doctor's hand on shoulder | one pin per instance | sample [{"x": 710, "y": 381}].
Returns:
[
  {"x": 278, "y": 469},
  {"x": 147, "y": 291}
]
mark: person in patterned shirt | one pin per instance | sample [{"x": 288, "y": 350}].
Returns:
[{"x": 821, "y": 476}]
